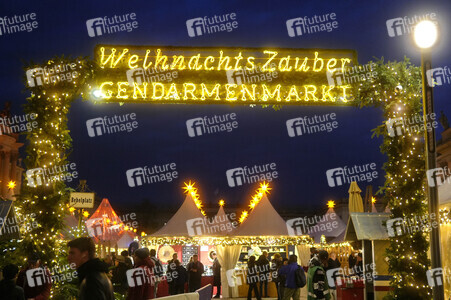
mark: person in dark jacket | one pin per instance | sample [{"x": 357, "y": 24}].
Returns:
[
  {"x": 264, "y": 271},
  {"x": 142, "y": 290},
  {"x": 128, "y": 260},
  {"x": 252, "y": 278},
  {"x": 8, "y": 288},
  {"x": 195, "y": 271},
  {"x": 92, "y": 272},
  {"x": 333, "y": 261},
  {"x": 181, "y": 277},
  {"x": 216, "y": 275},
  {"x": 289, "y": 271},
  {"x": 282, "y": 279},
  {"x": 172, "y": 267},
  {"x": 276, "y": 264},
  {"x": 119, "y": 278},
  {"x": 35, "y": 291}
]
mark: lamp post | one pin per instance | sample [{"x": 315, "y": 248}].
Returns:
[{"x": 425, "y": 36}]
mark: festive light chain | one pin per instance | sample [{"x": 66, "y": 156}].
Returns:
[
  {"x": 190, "y": 189},
  {"x": 255, "y": 199}
]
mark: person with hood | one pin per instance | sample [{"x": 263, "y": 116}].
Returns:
[
  {"x": 144, "y": 290},
  {"x": 264, "y": 270},
  {"x": 119, "y": 278},
  {"x": 181, "y": 277},
  {"x": 318, "y": 289},
  {"x": 35, "y": 291},
  {"x": 94, "y": 283},
  {"x": 291, "y": 290},
  {"x": 252, "y": 278},
  {"x": 8, "y": 288}
]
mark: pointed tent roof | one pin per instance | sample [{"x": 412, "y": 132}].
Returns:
[
  {"x": 328, "y": 221},
  {"x": 176, "y": 226},
  {"x": 104, "y": 224},
  {"x": 225, "y": 226},
  {"x": 263, "y": 221}
]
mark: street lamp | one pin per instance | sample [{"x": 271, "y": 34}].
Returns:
[{"x": 425, "y": 35}]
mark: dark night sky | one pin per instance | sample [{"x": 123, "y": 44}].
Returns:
[{"x": 261, "y": 136}]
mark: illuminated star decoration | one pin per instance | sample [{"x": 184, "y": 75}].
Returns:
[
  {"x": 11, "y": 185},
  {"x": 262, "y": 190},
  {"x": 373, "y": 200},
  {"x": 221, "y": 202},
  {"x": 331, "y": 204},
  {"x": 85, "y": 214},
  {"x": 190, "y": 189}
]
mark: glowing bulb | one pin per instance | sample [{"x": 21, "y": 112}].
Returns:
[{"x": 425, "y": 34}]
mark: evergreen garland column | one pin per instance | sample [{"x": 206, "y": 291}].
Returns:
[
  {"x": 397, "y": 90},
  {"x": 49, "y": 146}
]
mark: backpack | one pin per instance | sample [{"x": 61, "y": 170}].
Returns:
[{"x": 299, "y": 277}]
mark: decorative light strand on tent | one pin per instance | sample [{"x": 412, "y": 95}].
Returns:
[
  {"x": 262, "y": 190},
  {"x": 229, "y": 241},
  {"x": 190, "y": 189}
]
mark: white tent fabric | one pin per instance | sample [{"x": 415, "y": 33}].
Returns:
[
  {"x": 228, "y": 257},
  {"x": 125, "y": 240},
  {"x": 177, "y": 225},
  {"x": 303, "y": 259},
  {"x": 330, "y": 225},
  {"x": 444, "y": 193},
  {"x": 263, "y": 221},
  {"x": 222, "y": 224}
]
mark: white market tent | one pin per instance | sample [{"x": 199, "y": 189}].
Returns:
[
  {"x": 444, "y": 193},
  {"x": 222, "y": 222},
  {"x": 177, "y": 225},
  {"x": 330, "y": 225},
  {"x": 264, "y": 220}
]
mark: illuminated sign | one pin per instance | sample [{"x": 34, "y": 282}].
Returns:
[{"x": 228, "y": 75}]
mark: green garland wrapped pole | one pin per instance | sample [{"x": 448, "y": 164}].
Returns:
[{"x": 397, "y": 90}]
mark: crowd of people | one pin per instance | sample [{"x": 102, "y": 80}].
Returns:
[{"x": 138, "y": 276}]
